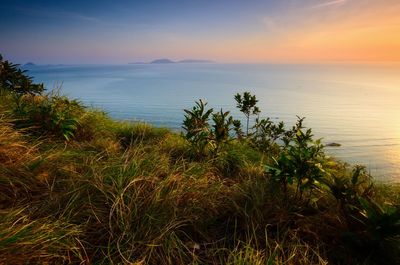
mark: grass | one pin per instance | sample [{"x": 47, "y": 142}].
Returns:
[{"x": 129, "y": 193}]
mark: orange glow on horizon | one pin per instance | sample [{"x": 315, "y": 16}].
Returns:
[{"x": 352, "y": 35}]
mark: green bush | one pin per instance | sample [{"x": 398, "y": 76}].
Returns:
[
  {"x": 372, "y": 227},
  {"x": 373, "y": 232},
  {"x": 50, "y": 114},
  {"x": 266, "y": 134},
  {"x": 221, "y": 129},
  {"x": 347, "y": 189},
  {"x": 197, "y": 128},
  {"x": 301, "y": 161},
  {"x": 13, "y": 79}
]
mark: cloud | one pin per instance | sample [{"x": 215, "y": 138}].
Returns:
[{"x": 330, "y": 3}]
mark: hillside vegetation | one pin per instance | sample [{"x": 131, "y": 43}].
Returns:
[{"x": 78, "y": 187}]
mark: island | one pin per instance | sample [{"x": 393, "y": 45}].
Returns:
[
  {"x": 168, "y": 61},
  {"x": 29, "y": 64}
]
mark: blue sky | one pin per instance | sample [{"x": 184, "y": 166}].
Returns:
[
  {"x": 88, "y": 31},
  {"x": 225, "y": 30}
]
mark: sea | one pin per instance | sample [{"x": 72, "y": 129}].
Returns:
[{"x": 354, "y": 105}]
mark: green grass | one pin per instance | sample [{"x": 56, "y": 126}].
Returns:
[{"x": 129, "y": 193}]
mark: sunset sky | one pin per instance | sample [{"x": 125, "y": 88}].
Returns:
[{"x": 279, "y": 31}]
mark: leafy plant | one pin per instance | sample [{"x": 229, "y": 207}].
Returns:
[
  {"x": 300, "y": 162},
  {"x": 221, "y": 128},
  {"x": 380, "y": 221},
  {"x": 266, "y": 133},
  {"x": 347, "y": 189},
  {"x": 246, "y": 103},
  {"x": 237, "y": 127},
  {"x": 196, "y": 126},
  {"x": 14, "y": 79},
  {"x": 49, "y": 114},
  {"x": 375, "y": 231}
]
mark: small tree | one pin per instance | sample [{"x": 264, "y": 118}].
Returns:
[{"x": 247, "y": 104}]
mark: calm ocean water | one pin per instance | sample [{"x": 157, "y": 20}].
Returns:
[{"x": 357, "y": 106}]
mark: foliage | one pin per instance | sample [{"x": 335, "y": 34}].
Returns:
[
  {"x": 347, "y": 189},
  {"x": 237, "y": 127},
  {"x": 266, "y": 133},
  {"x": 300, "y": 162},
  {"x": 14, "y": 79},
  {"x": 196, "y": 126},
  {"x": 221, "y": 127},
  {"x": 49, "y": 114},
  {"x": 246, "y": 103},
  {"x": 373, "y": 228},
  {"x": 200, "y": 134}
]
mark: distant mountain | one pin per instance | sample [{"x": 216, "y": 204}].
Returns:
[
  {"x": 168, "y": 61},
  {"x": 162, "y": 61},
  {"x": 29, "y": 64},
  {"x": 195, "y": 61}
]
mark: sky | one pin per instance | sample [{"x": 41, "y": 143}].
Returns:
[{"x": 121, "y": 31}]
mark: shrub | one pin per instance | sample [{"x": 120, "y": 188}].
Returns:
[
  {"x": 374, "y": 232},
  {"x": 266, "y": 133},
  {"x": 197, "y": 128},
  {"x": 347, "y": 189},
  {"x": 237, "y": 127},
  {"x": 49, "y": 114},
  {"x": 301, "y": 161},
  {"x": 373, "y": 229},
  {"x": 14, "y": 79},
  {"x": 221, "y": 128}
]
